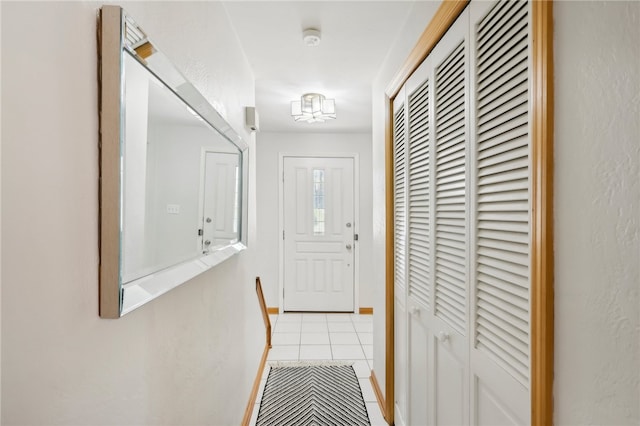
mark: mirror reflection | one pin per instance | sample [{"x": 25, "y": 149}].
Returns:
[
  {"x": 181, "y": 186},
  {"x": 172, "y": 173}
]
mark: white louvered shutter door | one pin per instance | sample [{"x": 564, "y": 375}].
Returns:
[
  {"x": 462, "y": 215},
  {"x": 418, "y": 196},
  {"x": 399, "y": 201},
  {"x": 448, "y": 325},
  {"x": 450, "y": 191},
  {"x": 400, "y": 257},
  {"x": 419, "y": 243},
  {"x": 500, "y": 354}
]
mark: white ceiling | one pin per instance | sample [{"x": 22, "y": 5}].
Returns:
[{"x": 356, "y": 36}]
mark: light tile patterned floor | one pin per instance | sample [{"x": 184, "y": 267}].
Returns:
[{"x": 322, "y": 337}]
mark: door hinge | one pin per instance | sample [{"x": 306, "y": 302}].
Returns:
[
  {"x": 199, "y": 232},
  {"x": 283, "y": 235},
  {"x": 355, "y": 237}
]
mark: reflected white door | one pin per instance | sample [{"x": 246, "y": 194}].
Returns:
[
  {"x": 220, "y": 200},
  {"x": 318, "y": 217}
]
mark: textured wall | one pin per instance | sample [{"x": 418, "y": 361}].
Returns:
[
  {"x": 597, "y": 196},
  {"x": 188, "y": 357},
  {"x": 269, "y": 146}
]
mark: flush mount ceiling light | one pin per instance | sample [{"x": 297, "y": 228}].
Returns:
[{"x": 313, "y": 108}]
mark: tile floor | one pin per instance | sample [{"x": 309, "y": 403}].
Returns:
[{"x": 316, "y": 337}]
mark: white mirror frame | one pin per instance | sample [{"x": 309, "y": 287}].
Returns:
[{"x": 117, "y": 299}]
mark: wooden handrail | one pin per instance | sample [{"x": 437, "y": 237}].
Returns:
[
  {"x": 265, "y": 313},
  {"x": 256, "y": 383}
]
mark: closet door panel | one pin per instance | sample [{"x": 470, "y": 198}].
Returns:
[
  {"x": 449, "y": 321},
  {"x": 401, "y": 368},
  {"x": 401, "y": 371},
  {"x": 400, "y": 196},
  {"x": 500, "y": 363},
  {"x": 462, "y": 216},
  {"x": 496, "y": 398},
  {"x": 450, "y": 382},
  {"x": 419, "y": 202},
  {"x": 419, "y": 235},
  {"x": 450, "y": 190},
  {"x": 419, "y": 377}
]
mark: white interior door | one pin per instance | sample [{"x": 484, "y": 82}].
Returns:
[
  {"x": 318, "y": 217},
  {"x": 401, "y": 376},
  {"x": 450, "y": 291},
  {"x": 220, "y": 199},
  {"x": 500, "y": 276},
  {"x": 419, "y": 250}
]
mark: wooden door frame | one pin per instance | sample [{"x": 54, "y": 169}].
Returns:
[
  {"x": 356, "y": 219},
  {"x": 542, "y": 261}
]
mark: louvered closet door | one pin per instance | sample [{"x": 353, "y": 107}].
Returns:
[
  {"x": 450, "y": 235},
  {"x": 400, "y": 256},
  {"x": 500, "y": 356},
  {"x": 462, "y": 217},
  {"x": 419, "y": 259}
]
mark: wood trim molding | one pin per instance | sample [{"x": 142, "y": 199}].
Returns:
[
  {"x": 256, "y": 386},
  {"x": 444, "y": 17},
  {"x": 376, "y": 390},
  {"x": 389, "y": 267},
  {"x": 273, "y": 310},
  {"x": 364, "y": 310},
  {"x": 542, "y": 262}
]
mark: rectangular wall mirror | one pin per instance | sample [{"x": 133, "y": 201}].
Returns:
[{"x": 172, "y": 174}]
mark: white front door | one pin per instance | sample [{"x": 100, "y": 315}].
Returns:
[{"x": 318, "y": 217}]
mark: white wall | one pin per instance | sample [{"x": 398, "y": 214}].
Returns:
[
  {"x": 419, "y": 17},
  {"x": 597, "y": 214},
  {"x": 188, "y": 357},
  {"x": 597, "y": 193},
  {"x": 269, "y": 146}
]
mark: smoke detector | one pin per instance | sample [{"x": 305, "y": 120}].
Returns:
[{"x": 311, "y": 37}]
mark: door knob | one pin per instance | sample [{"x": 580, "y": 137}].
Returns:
[
  {"x": 415, "y": 311},
  {"x": 443, "y": 337},
  {"x": 206, "y": 243},
  {"x": 208, "y": 220},
  {"x": 348, "y": 246}
]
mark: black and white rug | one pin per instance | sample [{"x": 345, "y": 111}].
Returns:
[{"x": 312, "y": 395}]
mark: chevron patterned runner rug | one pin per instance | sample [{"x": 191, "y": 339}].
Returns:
[{"x": 314, "y": 395}]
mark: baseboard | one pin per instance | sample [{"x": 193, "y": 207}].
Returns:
[
  {"x": 363, "y": 310},
  {"x": 256, "y": 387},
  {"x": 378, "y": 392}
]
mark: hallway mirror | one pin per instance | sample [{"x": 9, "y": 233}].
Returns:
[{"x": 172, "y": 187}]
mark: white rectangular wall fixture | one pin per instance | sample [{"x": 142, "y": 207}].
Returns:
[{"x": 252, "y": 119}]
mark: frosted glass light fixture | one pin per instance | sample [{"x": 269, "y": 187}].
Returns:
[{"x": 313, "y": 108}]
